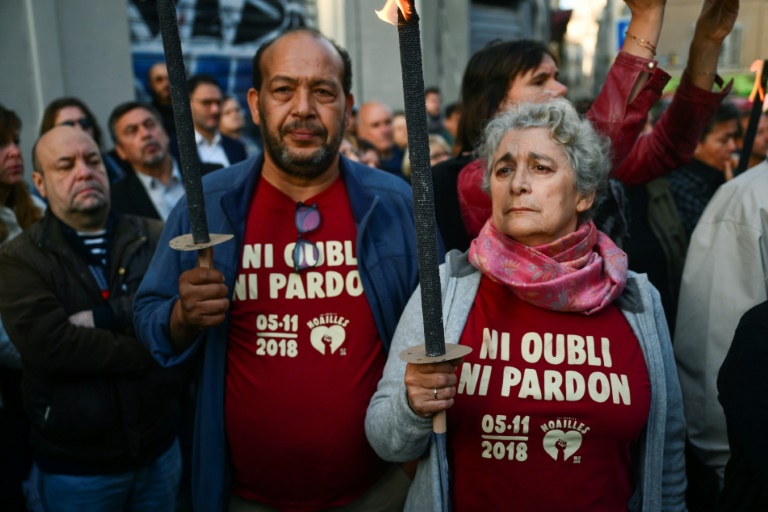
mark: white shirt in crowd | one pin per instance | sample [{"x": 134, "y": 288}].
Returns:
[
  {"x": 164, "y": 197},
  {"x": 211, "y": 152}
]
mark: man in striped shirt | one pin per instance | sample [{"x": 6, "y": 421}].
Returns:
[{"x": 103, "y": 413}]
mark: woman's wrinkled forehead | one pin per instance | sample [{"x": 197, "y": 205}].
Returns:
[{"x": 529, "y": 143}]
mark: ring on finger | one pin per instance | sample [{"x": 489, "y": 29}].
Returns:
[{"x": 435, "y": 393}]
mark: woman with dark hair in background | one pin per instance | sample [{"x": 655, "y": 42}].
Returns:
[
  {"x": 505, "y": 73},
  {"x": 74, "y": 112},
  {"x": 18, "y": 211}
]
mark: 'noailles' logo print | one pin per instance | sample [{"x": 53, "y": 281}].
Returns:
[
  {"x": 327, "y": 333},
  {"x": 563, "y": 437},
  {"x": 323, "y": 336}
]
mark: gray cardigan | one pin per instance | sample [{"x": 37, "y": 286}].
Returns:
[{"x": 398, "y": 434}]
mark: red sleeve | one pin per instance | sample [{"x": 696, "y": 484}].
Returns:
[
  {"x": 613, "y": 116},
  {"x": 674, "y": 138}
]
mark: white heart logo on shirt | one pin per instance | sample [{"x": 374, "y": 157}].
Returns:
[
  {"x": 322, "y": 336},
  {"x": 556, "y": 441}
]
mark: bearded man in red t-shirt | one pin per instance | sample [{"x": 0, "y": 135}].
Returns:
[{"x": 294, "y": 321}]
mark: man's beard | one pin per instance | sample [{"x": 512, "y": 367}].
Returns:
[
  {"x": 301, "y": 166},
  {"x": 92, "y": 215},
  {"x": 154, "y": 160}
]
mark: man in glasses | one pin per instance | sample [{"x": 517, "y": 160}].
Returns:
[
  {"x": 205, "y": 102},
  {"x": 294, "y": 321},
  {"x": 160, "y": 88}
]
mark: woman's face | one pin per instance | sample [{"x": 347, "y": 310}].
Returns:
[
  {"x": 232, "y": 118},
  {"x": 73, "y": 116},
  {"x": 533, "y": 189},
  {"x": 11, "y": 163},
  {"x": 535, "y": 86}
]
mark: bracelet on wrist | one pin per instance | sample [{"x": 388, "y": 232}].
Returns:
[{"x": 642, "y": 42}]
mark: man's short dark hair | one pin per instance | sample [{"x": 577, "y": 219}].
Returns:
[
  {"x": 451, "y": 108},
  {"x": 123, "y": 108},
  {"x": 727, "y": 111},
  {"x": 257, "y": 78},
  {"x": 197, "y": 80},
  {"x": 432, "y": 90}
]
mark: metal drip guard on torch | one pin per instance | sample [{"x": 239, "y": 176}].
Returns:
[{"x": 199, "y": 240}]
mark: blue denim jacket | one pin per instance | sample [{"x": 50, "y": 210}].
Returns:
[
  {"x": 398, "y": 434},
  {"x": 386, "y": 251}
]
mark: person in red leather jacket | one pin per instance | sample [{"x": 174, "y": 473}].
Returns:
[{"x": 505, "y": 73}]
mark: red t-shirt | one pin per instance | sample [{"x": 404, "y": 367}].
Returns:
[
  {"x": 549, "y": 407},
  {"x": 303, "y": 360}
]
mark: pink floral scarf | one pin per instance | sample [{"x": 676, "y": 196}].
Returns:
[{"x": 582, "y": 272}]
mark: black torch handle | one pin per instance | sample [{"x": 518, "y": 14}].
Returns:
[
  {"x": 421, "y": 180},
  {"x": 182, "y": 115},
  {"x": 754, "y": 120}
]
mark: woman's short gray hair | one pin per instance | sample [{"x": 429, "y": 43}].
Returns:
[{"x": 587, "y": 151}]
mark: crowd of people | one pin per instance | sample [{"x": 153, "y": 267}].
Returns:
[{"x": 625, "y": 259}]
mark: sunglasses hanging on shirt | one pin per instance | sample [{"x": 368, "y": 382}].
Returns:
[{"x": 306, "y": 254}]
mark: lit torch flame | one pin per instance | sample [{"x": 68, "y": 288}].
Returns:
[
  {"x": 389, "y": 12},
  {"x": 757, "y": 68}
]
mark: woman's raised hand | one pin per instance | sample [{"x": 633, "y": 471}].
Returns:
[
  {"x": 431, "y": 387},
  {"x": 715, "y": 22},
  {"x": 645, "y": 7},
  {"x": 717, "y": 19}
]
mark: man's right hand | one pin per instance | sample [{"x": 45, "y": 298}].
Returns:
[{"x": 202, "y": 303}]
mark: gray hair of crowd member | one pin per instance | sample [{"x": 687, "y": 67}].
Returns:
[{"x": 587, "y": 151}]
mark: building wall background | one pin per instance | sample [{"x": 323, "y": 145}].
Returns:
[
  {"x": 100, "y": 50},
  {"x": 54, "y": 48}
]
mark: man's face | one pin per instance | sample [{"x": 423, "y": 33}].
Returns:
[
  {"x": 141, "y": 139},
  {"x": 158, "y": 82},
  {"x": 718, "y": 145},
  {"x": 205, "y": 102},
  {"x": 432, "y": 103},
  {"x": 374, "y": 124},
  {"x": 301, "y": 106},
  {"x": 537, "y": 85},
  {"x": 451, "y": 123},
  {"x": 760, "y": 144},
  {"x": 73, "y": 179}
]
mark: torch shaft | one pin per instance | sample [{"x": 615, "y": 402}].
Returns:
[
  {"x": 421, "y": 180},
  {"x": 754, "y": 120},
  {"x": 182, "y": 115}
]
